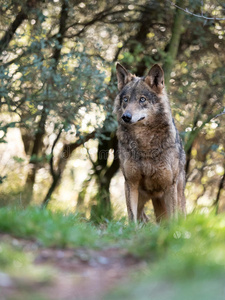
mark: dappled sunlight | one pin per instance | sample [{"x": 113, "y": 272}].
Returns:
[
  {"x": 58, "y": 90},
  {"x": 64, "y": 227}
]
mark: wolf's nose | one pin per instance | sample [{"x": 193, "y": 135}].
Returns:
[{"x": 127, "y": 117}]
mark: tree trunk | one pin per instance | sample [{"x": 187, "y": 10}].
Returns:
[
  {"x": 21, "y": 16},
  {"x": 37, "y": 146},
  {"x": 174, "y": 42},
  {"x": 34, "y": 159},
  {"x": 221, "y": 186},
  {"x": 102, "y": 207},
  {"x": 52, "y": 188},
  {"x": 82, "y": 194}
]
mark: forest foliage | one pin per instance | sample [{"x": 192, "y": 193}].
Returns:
[{"x": 57, "y": 72}]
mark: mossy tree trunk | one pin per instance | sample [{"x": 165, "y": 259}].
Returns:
[
  {"x": 220, "y": 189},
  {"x": 174, "y": 42}
]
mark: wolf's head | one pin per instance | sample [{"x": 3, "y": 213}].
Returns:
[{"x": 140, "y": 99}]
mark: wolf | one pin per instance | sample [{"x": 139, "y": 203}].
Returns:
[{"x": 151, "y": 153}]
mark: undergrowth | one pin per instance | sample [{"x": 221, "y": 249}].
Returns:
[{"x": 183, "y": 257}]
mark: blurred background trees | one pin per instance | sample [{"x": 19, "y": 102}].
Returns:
[{"x": 57, "y": 71}]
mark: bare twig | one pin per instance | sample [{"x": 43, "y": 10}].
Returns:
[
  {"x": 186, "y": 10},
  {"x": 89, "y": 155},
  {"x": 53, "y": 173},
  {"x": 220, "y": 114}
]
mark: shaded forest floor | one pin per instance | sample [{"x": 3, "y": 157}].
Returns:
[
  {"x": 48, "y": 255},
  {"x": 66, "y": 273}
]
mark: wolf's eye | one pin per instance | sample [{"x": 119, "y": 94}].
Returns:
[
  {"x": 142, "y": 99},
  {"x": 125, "y": 99}
]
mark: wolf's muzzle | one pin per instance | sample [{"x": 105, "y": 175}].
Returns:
[{"x": 127, "y": 117}]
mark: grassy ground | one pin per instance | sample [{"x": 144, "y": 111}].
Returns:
[{"x": 42, "y": 252}]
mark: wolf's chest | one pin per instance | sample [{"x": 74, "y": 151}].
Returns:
[
  {"x": 152, "y": 174},
  {"x": 156, "y": 178}
]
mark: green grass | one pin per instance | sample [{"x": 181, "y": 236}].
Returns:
[
  {"x": 48, "y": 228},
  {"x": 11, "y": 257},
  {"x": 185, "y": 259},
  {"x": 62, "y": 230},
  {"x": 18, "y": 272}
]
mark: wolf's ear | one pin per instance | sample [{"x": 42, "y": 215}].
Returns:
[
  {"x": 123, "y": 76},
  {"x": 155, "y": 78}
]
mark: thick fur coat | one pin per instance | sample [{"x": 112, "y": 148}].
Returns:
[{"x": 151, "y": 154}]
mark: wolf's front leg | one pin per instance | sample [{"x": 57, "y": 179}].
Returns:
[
  {"x": 180, "y": 194},
  {"x": 131, "y": 192},
  {"x": 171, "y": 201}
]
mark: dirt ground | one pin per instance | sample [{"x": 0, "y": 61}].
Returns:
[{"x": 75, "y": 274}]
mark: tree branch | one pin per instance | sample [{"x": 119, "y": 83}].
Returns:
[
  {"x": 69, "y": 148},
  {"x": 62, "y": 30},
  {"x": 220, "y": 114},
  {"x": 53, "y": 173},
  {"x": 64, "y": 156},
  {"x": 97, "y": 18},
  {"x": 22, "y": 15},
  {"x": 186, "y": 10}
]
